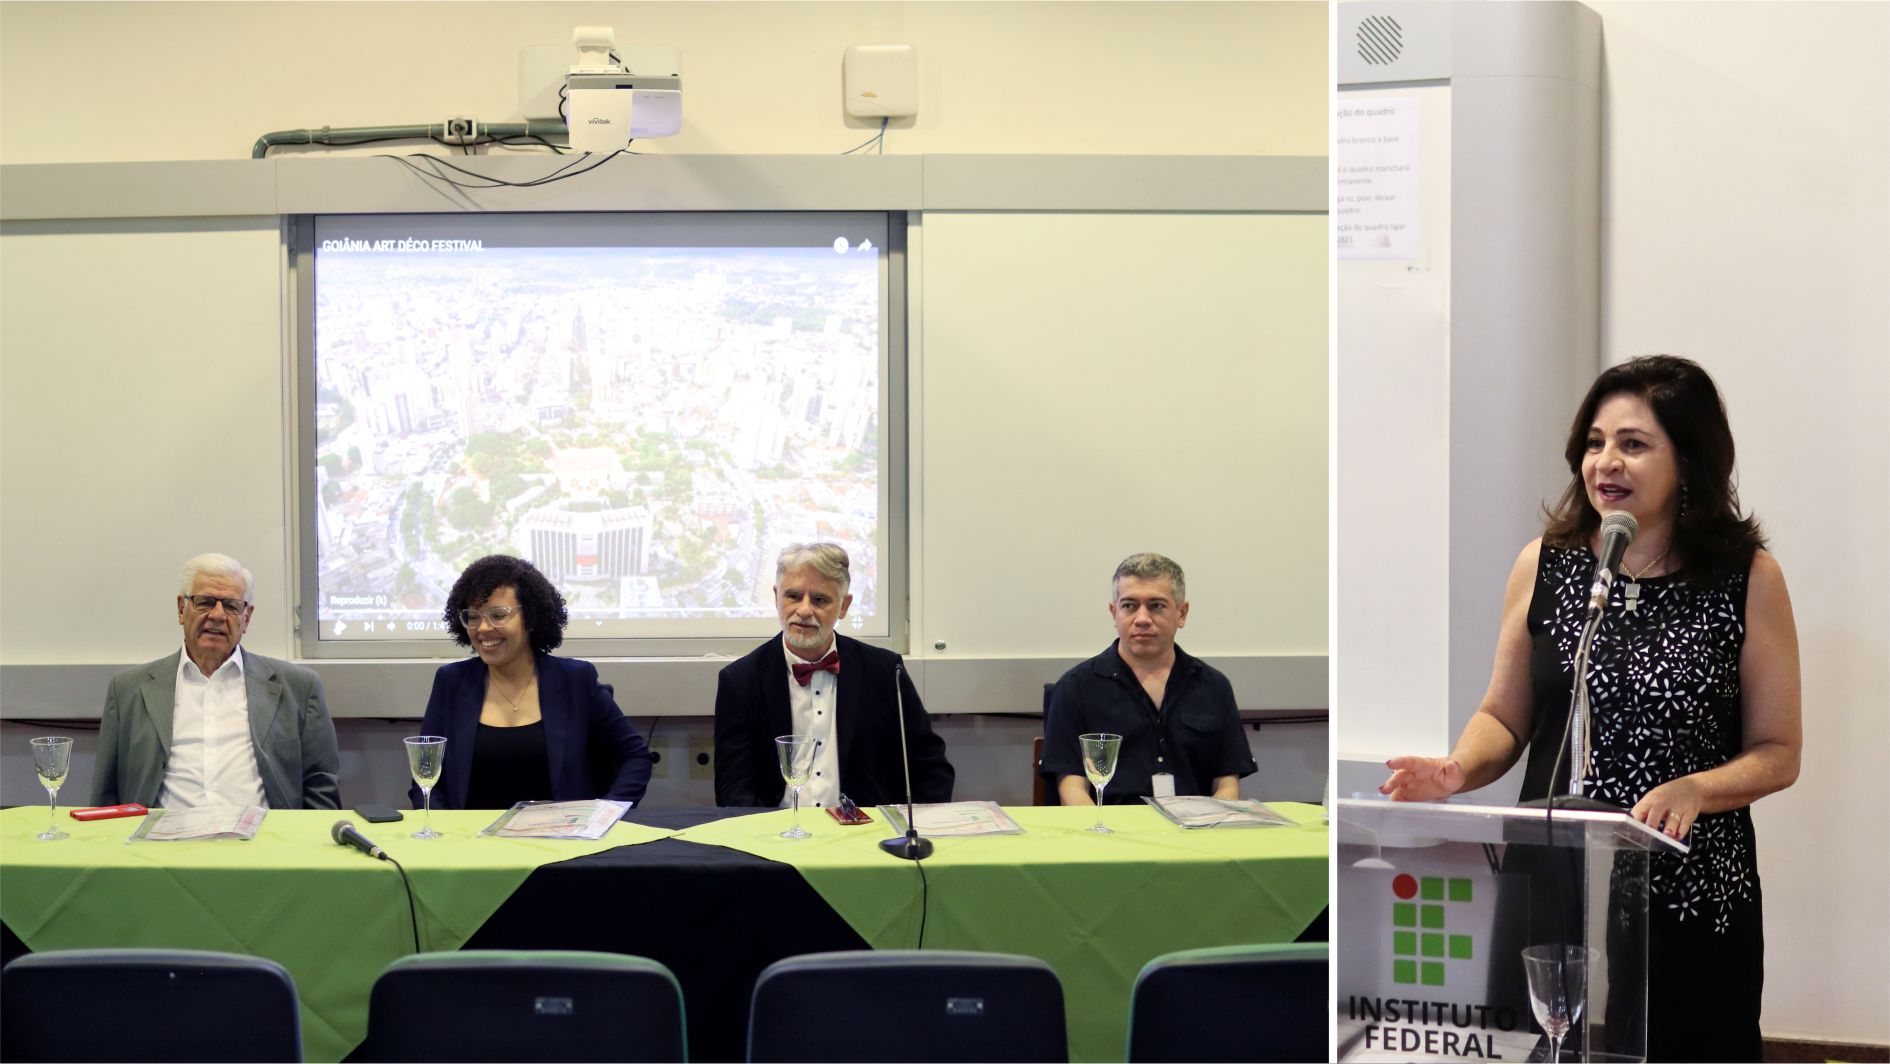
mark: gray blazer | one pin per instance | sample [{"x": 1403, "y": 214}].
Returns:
[{"x": 288, "y": 723}]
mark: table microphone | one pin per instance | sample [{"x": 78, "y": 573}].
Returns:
[
  {"x": 908, "y": 847},
  {"x": 344, "y": 835}
]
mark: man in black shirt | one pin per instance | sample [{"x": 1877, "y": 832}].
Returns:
[{"x": 1180, "y": 728}]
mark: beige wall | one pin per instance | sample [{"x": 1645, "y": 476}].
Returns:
[
  {"x": 82, "y": 82},
  {"x": 136, "y": 317}
]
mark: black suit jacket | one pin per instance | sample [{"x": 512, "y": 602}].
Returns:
[
  {"x": 593, "y": 749},
  {"x": 751, "y": 708}
]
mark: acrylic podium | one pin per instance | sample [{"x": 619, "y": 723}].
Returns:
[{"x": 1436, "y": 904}]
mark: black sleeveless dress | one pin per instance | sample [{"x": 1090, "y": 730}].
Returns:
[{"x": 1664, "y": 703}]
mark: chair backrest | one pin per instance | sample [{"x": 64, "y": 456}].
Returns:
[
  {"x": 147, "y": 1004},
  {"x": 1232, "y": 1003},
  {"x": 1039, "y": 786},
  {"x": 1043, "y": 790},
  {"x": 907, "y": 1005},
  {"x": 525, "y": 1005}
]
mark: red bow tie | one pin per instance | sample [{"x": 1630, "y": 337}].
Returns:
[{"x": 804, "y": 670}]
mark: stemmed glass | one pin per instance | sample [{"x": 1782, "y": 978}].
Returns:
[
  {"x": 797, "y": 763},
  {"x": 424, "y": 754},
  {"x": 52, "y": 755},
  {"x": 1558, "y": 985},
  {"x": 1099, "y": 764}
]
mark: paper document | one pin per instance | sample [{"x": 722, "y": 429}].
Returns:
[
  {"x": 950, "y": 819},
  {"x": 1198, "y": 811},
  {"x": 1375, "y": 178},
  {"x": 209, "y": 822},
  {"x": 558, "y": 820}
]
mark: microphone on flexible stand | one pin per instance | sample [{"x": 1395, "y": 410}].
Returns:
[
  {"x": 344, "y": 834},
  {"x": 907, "y": 847},
  {"x": 1618, "y": 529}
]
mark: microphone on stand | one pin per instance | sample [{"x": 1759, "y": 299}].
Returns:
[
  {"x": 907, "y": 847},
  {"x": 1618, "y": 529},
  {"x": 344, "y": 834}
]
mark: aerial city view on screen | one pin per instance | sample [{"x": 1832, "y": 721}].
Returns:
[{"x": 648, "y": 426}]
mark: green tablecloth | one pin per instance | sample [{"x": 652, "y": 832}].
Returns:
[
  {"x": 330, "y": 915},
  {"x": 1096, "y": 907}
]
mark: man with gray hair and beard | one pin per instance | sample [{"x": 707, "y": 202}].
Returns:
[
  {"x": 213, "y": 724},
  {"x": 812, "y": 681},
  {"x": 1176, "y": 714}
]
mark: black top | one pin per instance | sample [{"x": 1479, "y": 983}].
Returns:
[
  {"x": 1195, "y": 733},
  {"x": 509, "y": 765},
  {"x": 1664, "y": 702},
  {"x": 751, "y": 708}
]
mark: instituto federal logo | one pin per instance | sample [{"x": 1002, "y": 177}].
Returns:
[
  {"x": 1427, "y": 957},
  {"x": 1421, "y": 940}
]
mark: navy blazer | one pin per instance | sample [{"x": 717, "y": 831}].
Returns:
[
  {"x": 751, "y": 708},
  {"x": 594, "y": 750}
]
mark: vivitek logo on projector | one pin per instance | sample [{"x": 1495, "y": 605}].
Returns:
[
  {"x": 600, "y": 121},
  {"x": 1419, "y": 942}
]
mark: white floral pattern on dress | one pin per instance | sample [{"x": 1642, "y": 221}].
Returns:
[{"x": 1664, "y": 703}]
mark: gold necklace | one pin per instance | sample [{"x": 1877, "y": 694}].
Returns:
[
  {"x": 513, "y": 702},
  {"x": 1631, "y": 594}
]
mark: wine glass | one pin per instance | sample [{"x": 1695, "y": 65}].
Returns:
[
  {"x": 52, "y": 755},
  {"x": 424, "y": 754},
  {"x": 1558, "y": 985},
  {"x": 1099, "y": 764},
  {"x": 797, "y": 763}
]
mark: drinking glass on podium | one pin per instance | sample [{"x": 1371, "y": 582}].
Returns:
[
  {"x": 52, "y": 756},
  {"x": 1099, "y": 765},
  {"x": 424, "y": 756},
  {"x": 1558, "y": 985},
  {"x": 797, "y": 763}
]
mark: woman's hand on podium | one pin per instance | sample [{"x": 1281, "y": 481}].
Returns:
[
  {"x": 1671, "y": 807},
  {"x": 1422, "y": 779}
]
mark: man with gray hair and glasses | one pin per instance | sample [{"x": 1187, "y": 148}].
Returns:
[
  {"x": 1180, "y": 728},
  {"x": 811, "y": 680},
  {"x": 213, "y": 724}
]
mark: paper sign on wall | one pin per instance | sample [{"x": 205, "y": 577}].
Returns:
[{"x": 1375, "y": 194}]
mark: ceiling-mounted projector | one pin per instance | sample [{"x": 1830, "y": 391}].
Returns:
[{"x": 613, "y": 96}]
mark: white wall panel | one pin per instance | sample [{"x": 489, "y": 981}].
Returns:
[
  {"x": 141, "y": 422},
  {"x": 1097, "y": 385},
  {"x": 1746, "y": 179}
]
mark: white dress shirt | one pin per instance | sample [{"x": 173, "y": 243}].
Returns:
[
  {"x": 213, "y": 761},
  {"x": 812, "y": 710}
]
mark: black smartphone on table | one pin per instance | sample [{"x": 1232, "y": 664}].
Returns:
[{"x": 378, "y": 814}]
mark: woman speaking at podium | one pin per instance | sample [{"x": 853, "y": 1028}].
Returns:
[{"x": 1693, "y": 687}]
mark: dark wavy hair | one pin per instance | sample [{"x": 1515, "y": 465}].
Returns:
[
  {"x": 544, "y": 612},
  {"x": 1712, "y": 538}
]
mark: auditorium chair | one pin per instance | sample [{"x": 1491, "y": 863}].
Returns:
[
  {"x": 147, "y": 1004},
  {"x": 907, "y": 1005},
  {"x": 525, "y": 1005},
  {"x": 1232, "y": 1003}
]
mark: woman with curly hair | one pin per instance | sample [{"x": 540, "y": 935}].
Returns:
[
  {"x": 1694, "y": 690},
  {"x": 520, "y": 724}
]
